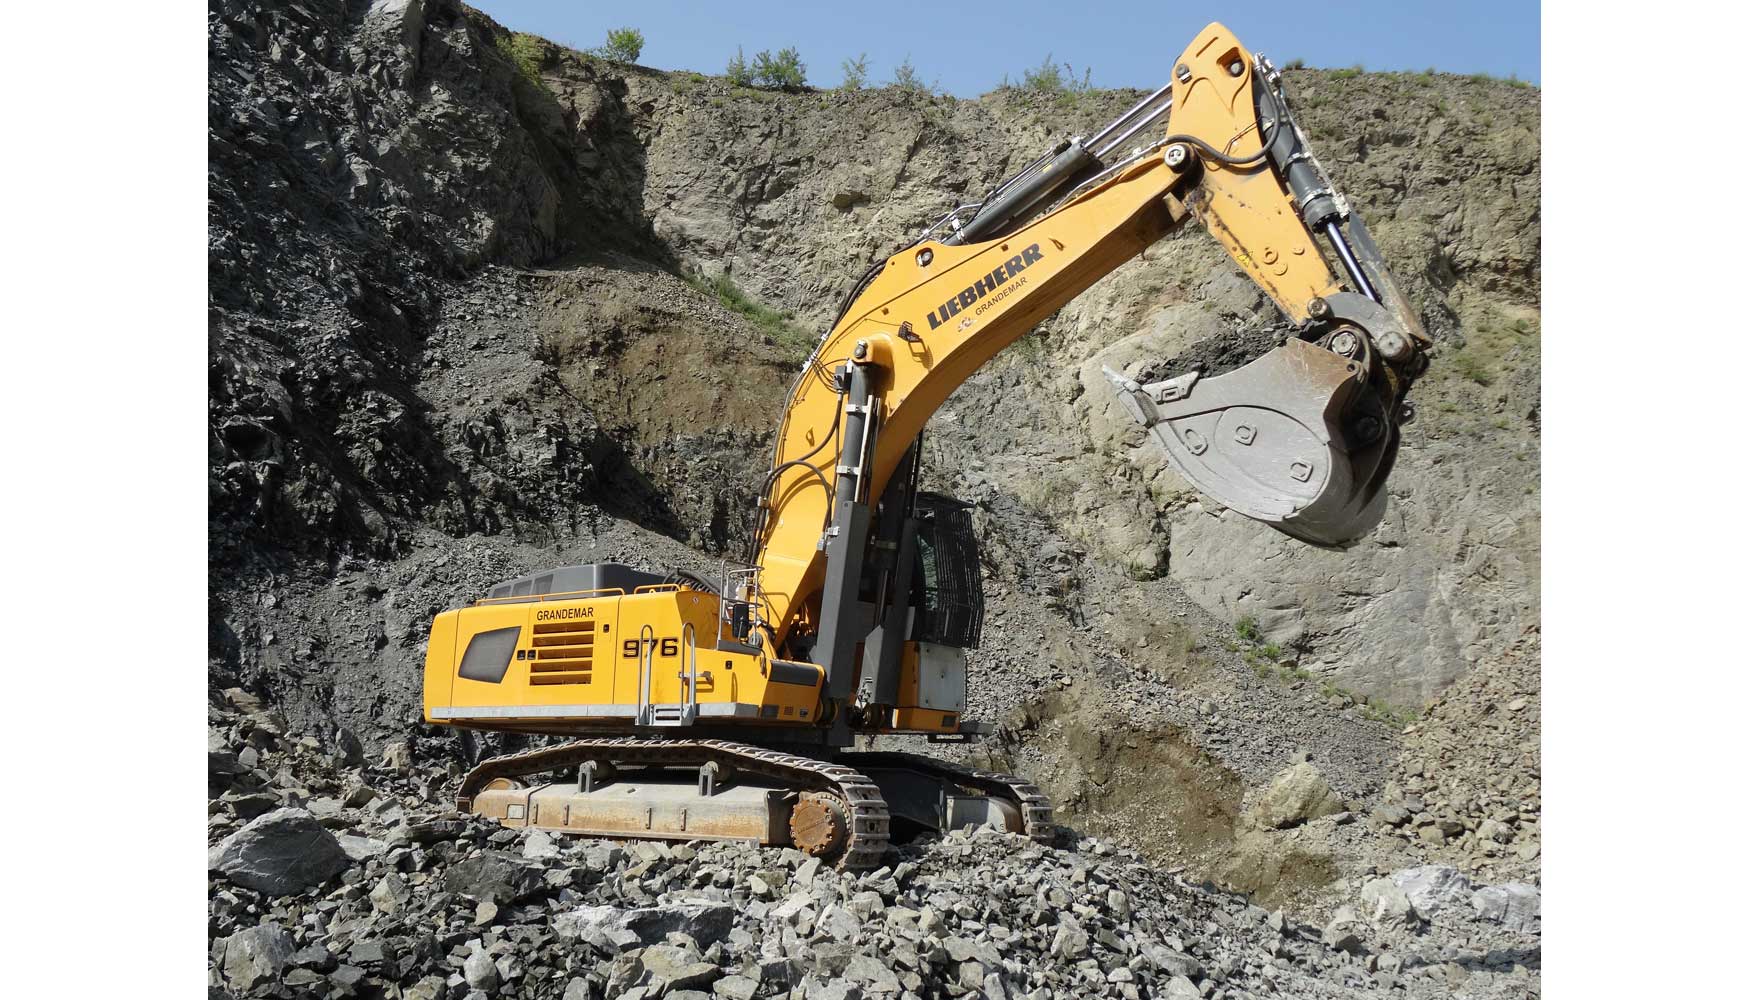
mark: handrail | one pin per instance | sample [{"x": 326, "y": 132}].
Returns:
[
  {"x": 646, "y": 665},
  {"x": 657, "y": 588},
  {"x": 692, "y": 647},
  {"x": 571, "y": 594}
]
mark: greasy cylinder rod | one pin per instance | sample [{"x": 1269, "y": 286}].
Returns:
[
  {"x": 1024, "y": 195},
  {"x": 1045, "y": 176},
  {"x": 1334, "y": 233},
  {"x": 1126, "y": 116},
  {"x": 1142, "y": 123}
]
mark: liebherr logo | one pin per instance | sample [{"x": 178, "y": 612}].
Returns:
[{"x": 985, "y": 285}]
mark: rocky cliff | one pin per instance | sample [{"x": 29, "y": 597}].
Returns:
[
  {"x": 366, "y": 165},
  {"x": 479, "y": 305}
]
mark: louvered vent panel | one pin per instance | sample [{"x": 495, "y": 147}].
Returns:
[{"x": 564, "y": 653}]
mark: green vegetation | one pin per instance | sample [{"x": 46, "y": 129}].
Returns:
[
  {"x": 1376, "y": 710},
  {"x": 686, "y": 81},
  {"x": 1349, "y": 73},
  {"x": 526, "y": 53},
  {"x": 783, "y": 71},
  {"x": 1265, "y": 661},
  {"x": 1296, "y": 63},
  {"x": 624, "y": 45},
  {"x": 856, "y": 71},
  {"x": 779, "y": 327},
  {"x": 1051, "y": 79},
  {"x": 1472, "y": 369},
  {"x": 906, "y": 78},
  {"x": 1494, "y": 345},
  {"x": 737, "y": 71},
  {"x": 1512, "y": 80}
]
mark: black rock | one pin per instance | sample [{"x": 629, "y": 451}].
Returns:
[
  {"x": 280, "y": 852},
  {"x": 496, "y": 876}
]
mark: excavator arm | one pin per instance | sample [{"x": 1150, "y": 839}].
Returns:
[{"x": 1301, "y": 438}]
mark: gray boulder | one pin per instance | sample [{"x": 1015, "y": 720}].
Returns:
[
  {"x": 1515, "y": 906},
  {"x": 1431, "y": 888},
  {"x": 1295, "y": 795},
  {"x": 704, "y": 922},
  {"x": 479, "y": 969},
  {"x": 496, "y": 876},
  {"x": 361, "y": 848},
  {"x": 1343, "y": 932},
  {"x": 280, "y": 852},
  {"x": 672, "y": 967},
  {"x": 539, "y": 845},
  {"x": 256, "y": 956},
  {"x": 1388, "y": 905}
]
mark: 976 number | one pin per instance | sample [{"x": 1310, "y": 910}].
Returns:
[{"x": 667, "y": 646}]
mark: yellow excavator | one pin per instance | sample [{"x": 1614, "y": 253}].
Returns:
[{"x": 726, "y": 709}]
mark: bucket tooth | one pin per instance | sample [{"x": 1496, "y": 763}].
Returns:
[{"x": 1268, "y": 440}]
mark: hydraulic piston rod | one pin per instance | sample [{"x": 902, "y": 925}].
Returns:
[{"x": 1334, "y": 233}]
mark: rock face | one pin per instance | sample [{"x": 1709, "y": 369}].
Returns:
[
  {"x": 445, "y": 264},
  {"x": 385, "y": 440},
  {"x": 280, "y": 852}
]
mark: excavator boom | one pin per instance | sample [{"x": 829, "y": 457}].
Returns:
[{"x": 1302, "y": 438}]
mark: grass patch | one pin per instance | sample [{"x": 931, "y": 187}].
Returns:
[
  {"x": 1470, "y": 368},
  {"x": 1349, "y": 72},
  {"x": 1396, "y": 716},
  {"x": 1247, "y": 629},
  {"x": 1265, "y": 661},
  {"x": 1511, "y": 80},
  {"x": 779, "y": 327},
  {"x": 526, "y": 53},
  {"x": 1495, "y": 345}
]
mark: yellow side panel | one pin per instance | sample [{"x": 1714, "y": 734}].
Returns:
[
  {"x": 588, "y": 655},
  {"x": 556, "y": 660},
  {"x": 666, "y": 615},
  {"x": 440, "y": 662}
]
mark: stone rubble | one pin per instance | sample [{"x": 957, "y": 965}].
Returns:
[{"x": 449, "y": 907}]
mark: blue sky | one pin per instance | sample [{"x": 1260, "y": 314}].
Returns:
[{"x": 966, "y": 48}]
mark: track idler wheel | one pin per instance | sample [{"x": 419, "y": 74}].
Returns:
[{"x": 819, "y": 825}]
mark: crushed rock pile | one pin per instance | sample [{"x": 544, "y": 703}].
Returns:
[
  {"x": 336, "y": 876},
  {"x": 1469, "y": 780}
]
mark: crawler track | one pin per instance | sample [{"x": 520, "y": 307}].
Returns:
[
  {"x": 867, "y": 840},
  {"x": 1034, "y": 806}
]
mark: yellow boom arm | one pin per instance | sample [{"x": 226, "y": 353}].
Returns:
[{"x": 1321, "y": 412}]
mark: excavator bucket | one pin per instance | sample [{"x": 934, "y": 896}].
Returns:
[{"x": 1294, "y": 439}]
